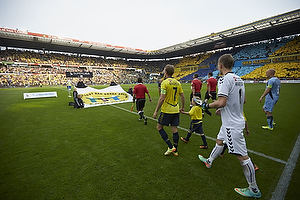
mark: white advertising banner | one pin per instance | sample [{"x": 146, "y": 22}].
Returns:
[{"x": 39, "y": 95}]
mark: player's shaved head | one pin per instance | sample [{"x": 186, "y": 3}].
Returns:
[{"x": 272, "y": 71}]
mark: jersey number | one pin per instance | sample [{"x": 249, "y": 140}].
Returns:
[
  {"x": 240, "y": 93},
  {"x": 175, "y": 88}
]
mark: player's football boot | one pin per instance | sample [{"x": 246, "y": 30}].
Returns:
[
  {"x": 203, "y": 147},
  {"x": 246, "y": 192},
  {"x": 267, "y": 127},
  {"x": 170, "y": 151},
  {"x": 175, "y": 153},
  {"x": 183, "y": 139},
  {"x": 204, "y": 160}
]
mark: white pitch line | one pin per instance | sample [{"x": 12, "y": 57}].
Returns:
[
  {"x": 284, "y": 182},
  {"x": 251, "y": 151}
]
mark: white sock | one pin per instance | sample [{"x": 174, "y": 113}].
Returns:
[
  {"x": 215, "y": 153},
  {"x": 249, "y": 173}
]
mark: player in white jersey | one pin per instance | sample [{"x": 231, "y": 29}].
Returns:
[{"x": 231, "y": 98}]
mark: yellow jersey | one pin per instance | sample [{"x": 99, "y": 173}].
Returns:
[
  {"x": 196, "y": 113},
  {"x": 171, "y": 88}
]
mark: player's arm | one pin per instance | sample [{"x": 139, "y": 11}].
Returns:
[
  {"x": 193, "y": 90},
  {"x": 159, "y": 104},
  {"x": 265, "y": 93},
  {"x": 220, "y": 103},
  {"x": 182, "y": 101},
  {"x": 149, "y": 97},
  {"x": 208, "y": 90},
  {"x": 183, "y": 112},
  {"x": 247, "y": 132},
  {"x": 186, "y": 113}
]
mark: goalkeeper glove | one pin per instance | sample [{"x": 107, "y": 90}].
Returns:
[{"x": 205, "y": 106}]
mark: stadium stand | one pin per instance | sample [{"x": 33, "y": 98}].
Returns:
[{"x": 21, "y": 67}]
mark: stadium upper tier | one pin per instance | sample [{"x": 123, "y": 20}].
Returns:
[{"x": 265, "y": 29}]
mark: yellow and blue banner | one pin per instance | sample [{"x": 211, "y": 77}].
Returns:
[{"x": 98, "y": 97}]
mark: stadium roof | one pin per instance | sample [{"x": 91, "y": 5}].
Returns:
[{"x": 274, "y": 27}]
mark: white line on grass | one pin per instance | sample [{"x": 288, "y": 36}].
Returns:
[
  {"x": 254, "y": 152},
  {"x": 283, "y": 184},
  {"x": 287, "y": 173}
]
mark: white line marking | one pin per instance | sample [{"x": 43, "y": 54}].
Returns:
[
  {"x": 254, "y": 152},
  {"x": 284, "y": 182}
]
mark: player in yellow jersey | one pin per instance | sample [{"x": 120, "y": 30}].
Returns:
[{"x": 169, "y": 103}]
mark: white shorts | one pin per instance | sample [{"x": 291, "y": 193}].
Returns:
[{"x": 235, "y": 140}]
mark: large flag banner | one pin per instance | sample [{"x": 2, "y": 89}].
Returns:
[{"x": 110, "y": 95}]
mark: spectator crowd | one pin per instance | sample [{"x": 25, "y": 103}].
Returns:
[{"x": 19, "y": 67}]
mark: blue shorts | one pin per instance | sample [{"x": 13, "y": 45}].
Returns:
[
  {"x": 196, "y": 126},
  {"x": 269, "y": 105},
  {"x": 168, "y": 119},
  {"x": 69, "y": 87}
]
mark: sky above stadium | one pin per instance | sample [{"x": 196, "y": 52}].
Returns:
[{"x": 142, "y": 24}]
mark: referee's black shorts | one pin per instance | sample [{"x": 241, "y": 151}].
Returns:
[
  {"x": 197, "y": 94},
  {"x": 140, "y": 104},
  {"x": 213, "y": 94}
]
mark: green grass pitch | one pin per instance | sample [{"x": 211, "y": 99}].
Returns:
[{"x": 49, "y": 150}]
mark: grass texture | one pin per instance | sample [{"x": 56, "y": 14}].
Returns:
[{"x": 49, "y": 150}]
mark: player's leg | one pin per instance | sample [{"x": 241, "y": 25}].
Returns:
[
  {"x": 164, "y": 120},
  {"x": 191, "y": 97},
  {"x": 174, "y": 123},
  {"x": 249, "y": 172},
  {"x": 206, "y": 97},
  {"x": 142, "y": 105},
  {"x": 213, "y": 96},
  {"x": 198, "y": 94},
  {"x": 138, "y": 108},
  {"x": 187, "y": 138},
  {"x": 224, "y": 148},
  {"x": 175, "y": 139},
  {"x": 268, "y": 108},
  {"x": 269, "y": 119},
  {"x": 203, "y": 137},
  {"x": 238, "y": 147},
  {"x": 204, "y": 146},
  {"x": 213, "y": 155},
  {"x": 216, "y": 151},
  {"x": 189, "y": 133}
]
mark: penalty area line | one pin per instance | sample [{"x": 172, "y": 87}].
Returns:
[{"x": 251, "y": 151}]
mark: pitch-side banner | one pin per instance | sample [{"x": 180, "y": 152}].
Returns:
[
  {"x": 39, "y": 95},
  {"x": 110, "y": 95}
]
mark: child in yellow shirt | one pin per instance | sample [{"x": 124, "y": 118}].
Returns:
[{"x": 196, "y": 123}]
